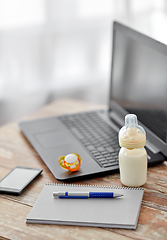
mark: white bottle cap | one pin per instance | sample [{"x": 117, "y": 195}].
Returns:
[{"x": 132, "y": 135}]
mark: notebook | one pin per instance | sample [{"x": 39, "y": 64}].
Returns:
[
  {"x": 137, "y": 85},
  {"x": 120, "y": 212}
]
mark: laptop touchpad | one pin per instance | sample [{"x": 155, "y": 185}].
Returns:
[{"x": 53, "y": 138}]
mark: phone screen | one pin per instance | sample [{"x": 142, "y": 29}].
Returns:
[{"x": 18, "y": 179}]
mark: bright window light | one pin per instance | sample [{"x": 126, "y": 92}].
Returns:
[
  {"x": 94, "y": 8},
  {"x": 19, "y": 13}
]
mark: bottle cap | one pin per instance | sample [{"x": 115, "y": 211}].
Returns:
[{"x": 132, "y": 135}]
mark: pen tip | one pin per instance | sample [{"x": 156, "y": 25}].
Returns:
[{"x": 118, "y": 195}]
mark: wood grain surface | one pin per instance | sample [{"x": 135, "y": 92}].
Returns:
[{"x": 15, "y": 150}]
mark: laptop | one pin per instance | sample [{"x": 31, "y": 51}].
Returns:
[{"x": 138, "y": 85}]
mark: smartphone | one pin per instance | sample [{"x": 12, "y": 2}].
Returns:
[{"x": 16, "y": 180}]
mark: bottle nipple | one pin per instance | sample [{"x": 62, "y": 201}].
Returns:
[
  {"x": 131, "y": 121},
  {"x": 132, "y": 135},
  {"x": 131, "y": 124}
]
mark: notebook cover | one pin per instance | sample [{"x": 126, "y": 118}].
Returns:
[{"x": 120, "y": 212}]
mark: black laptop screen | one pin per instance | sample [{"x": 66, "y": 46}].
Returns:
[{"x": 139, "y": 81}]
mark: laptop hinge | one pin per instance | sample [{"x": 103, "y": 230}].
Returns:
[
  {"x": 116, "y": 117},
  {"x": 152, "y": 147}
]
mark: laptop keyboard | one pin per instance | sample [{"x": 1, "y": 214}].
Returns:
[{"x": 96, "y": 135}]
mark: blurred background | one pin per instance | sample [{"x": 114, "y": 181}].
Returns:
[{"x": 51, "y": 49}]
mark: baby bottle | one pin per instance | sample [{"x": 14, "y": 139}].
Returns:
[{"x": 132, "y": 155}]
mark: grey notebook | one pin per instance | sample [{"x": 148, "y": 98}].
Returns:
[{"x": 120, "y": 212}]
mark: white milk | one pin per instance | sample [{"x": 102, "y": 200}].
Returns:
[{"x": 133, "y": 166}]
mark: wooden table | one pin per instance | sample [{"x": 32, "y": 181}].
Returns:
[{"x": 15, "y": 150}]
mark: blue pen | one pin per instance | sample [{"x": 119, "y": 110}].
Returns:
[{"x": 86, "y": 195}]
